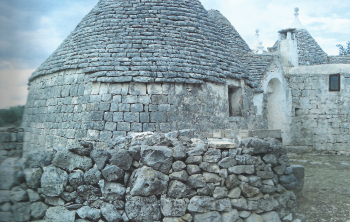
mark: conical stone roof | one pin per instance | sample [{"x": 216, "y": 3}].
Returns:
[
  {"x": 234, "y": 39},
  {"x": 147, "y": 41}
]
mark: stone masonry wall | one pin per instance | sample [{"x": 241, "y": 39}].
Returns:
[
  {"x": 66, "y": 106},
  {"x": 339, "y": 59},
  {"x": 11, "y": 142},
  {"x": 309, "y": 52},
  {"x": 321, "y": 117},
  {"x": 152, "y": 177}
]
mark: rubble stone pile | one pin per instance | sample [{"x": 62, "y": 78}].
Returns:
[{"x": 152, "y": 177}]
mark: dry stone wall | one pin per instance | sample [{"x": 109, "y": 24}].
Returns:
[
  {"x": 338, "y": 59},
  {"x": 321, "y": 117},
  {"x": 66, "y": 106},
  {"x": 11, "y": 142},
  {"x": 152, "y": 177}
]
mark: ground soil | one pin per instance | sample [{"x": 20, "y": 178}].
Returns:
[{"x": 326, "y": 193}]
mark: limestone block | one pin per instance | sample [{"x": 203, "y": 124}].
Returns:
[
  {"x": 53, "y": 181},
  {"x": 140, "y": 209}
]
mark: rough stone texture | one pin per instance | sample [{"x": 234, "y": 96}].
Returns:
[
  {"x": 177, "y": 189},
  {"x": 173, "y": 207},
  {"x": 110, "y": 213},
  {"x": 112, "y": 191},
  {"x": 32, "y": 176},
  {"x": 121, "y": 159},
  {"x": 100, "y": 157},
  {"x": 112, "y": 173},
  {"x": 89, "y": 192},
  {"x": 158, "y": 157},
  {"x": 208, "y": 217},
  {"x": 58, "y": 214},
  {"x": 146, "y": 182},
  {"x": 89, "y": 213},
  {"x": 10, "y": 174},
  {"x": 92, "y": 176},
  {"x": 71, "y": 161},
  {"x": 21, "y": 211},
  {"x": 141, "y": 209},
  {"x": 38, "y": 210},
  {"x": 53, "y": 181},
  {"x": 76, "y": 178}
]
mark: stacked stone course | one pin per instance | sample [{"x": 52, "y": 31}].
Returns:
[
  {"x": 152, "y": 177},
  {"x": 11, "y": 142}
]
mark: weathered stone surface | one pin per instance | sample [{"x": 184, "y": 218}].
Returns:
[
  {"x": 112, "y": 173},
  {"x": 54, "y": 201},
  {"x": 194, "y": 159},
  {"x": 210, "y": 167},
  {"x": 230, "y": 216},
  {"x": 36, "y": 159},
  {"x": 121, "y": 159},
  {"x": 92, "y": 176},
  {"x": 259, "y": 145},
  {"x": 112, "y": 191},
  {"x": 223, "y": 205},
  {"x": 5, "y": 196},
  {"x": 212, "y": 178},
  {"x": 177, "y": 189},
  {"x": 244, "y": 214},
  {"x": 265, "y": 174},
  {"x": 270, "y": 216},
  {"x": 158, "y": 157},
  {"x": 70, "y": 161},
  {"x": 178, "y": 166},
  {"x": 179, "y": 152},
  {"x": 89, "y": 192},
  {"x": 87, "y": 212},
  {"x": 187, "y": 217},
  {"x": 288, "y": 181},
  {"x": 234, "y": 193},
  {"x": 228, "y": 162},
  {"x": 254, "y": 218},
  {"x": 268, "y": 189},
  {"x": 6, "y": 216},
  {"x": 208, "y": 217},
  {"x": 173, "y": 207},
  {"x": 271, "y": 159},
  {"x": 220, "y": 192},
  {"x": 231, "y": 181},
  {"x": 10, "y": 174},
  {"x": 222, "y": 144},
  {"x": 76, "y": 178},
  {"x": 239, "y": 204},
  {"x": 201, "y": 204},
  {"x": 212, "y": 156},
  {"x": 147, "y": 181},
  {"x": 142, "y": 209},
  {"x": 38, "y": 210},
  {"x": 59, "y": 214},
  {"x": 242, "y": 169},
  {"x": 100, "y": 157},
  {"x": 21, "y": 211},
  {"x": 173, "y": 219},
  {"x": 53, "y": 181},
  {"x": 193, "y": 169},
  {"x": 197, "y": 180},
  {"x": 255, "y": 181},
  {"x": 249, "y": 191},
  {"x": 18, "y": 195},
  {"x": 83, "y": 149},
  {"x": 180, "y": 175},
  {"x": 110, "y": 212},
  {"x": 32, "y": 176}
]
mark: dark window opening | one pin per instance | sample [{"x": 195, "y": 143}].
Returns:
[
  {"x": 334, "y": 82},
  {"x": 235, "y": 101},
  {"x": 297, "y": 112}
]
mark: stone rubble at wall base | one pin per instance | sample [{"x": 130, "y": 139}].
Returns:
[{"x": 152, "y": 177}]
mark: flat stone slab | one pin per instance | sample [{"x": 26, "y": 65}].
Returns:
[{"x": 222, "y": 144}]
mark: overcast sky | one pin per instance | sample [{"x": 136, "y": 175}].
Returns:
[{"x": 30, "y": 30}]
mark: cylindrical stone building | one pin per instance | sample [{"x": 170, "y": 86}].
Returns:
[{"x": 134, "y": 66}]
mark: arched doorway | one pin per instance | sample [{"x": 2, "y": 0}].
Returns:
[{"x": 274, "y": 104}]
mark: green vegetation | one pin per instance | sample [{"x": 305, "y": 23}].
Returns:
[
  {"x": 11, "y": 116},
  {"x": 344, "y": 51}
]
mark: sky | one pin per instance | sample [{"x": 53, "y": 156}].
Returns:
[{"x": 30, "y": 30}]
